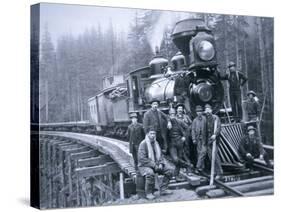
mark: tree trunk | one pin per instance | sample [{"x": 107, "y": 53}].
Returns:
[
  {"x": 47, "y": 101},
  {"x": 245, "y": 62},
  {"x": 261, "y": 55},
  {"x": 226, "y": 56}
]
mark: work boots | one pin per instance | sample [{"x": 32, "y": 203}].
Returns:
[{"x": 149, "y": 187}]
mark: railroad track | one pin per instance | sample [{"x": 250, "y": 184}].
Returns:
[
  {"x": 85, "y": 170},
  {"x": 261, "y": 185}
]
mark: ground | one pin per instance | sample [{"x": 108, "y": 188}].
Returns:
[{"x": 178, "y": 195}]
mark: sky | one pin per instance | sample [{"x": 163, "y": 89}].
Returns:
[
  {"x": 75, "y": 19},
  {"x": 64, "y": 19}
]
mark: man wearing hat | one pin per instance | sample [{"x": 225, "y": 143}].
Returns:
[
  {"x": 236, "y": 79},
  {"x": 251, "y": 147},
  {"x": 213, "y": 131},
  {"x": 135, "y": 135},
  {"x": 151, "y": 161},
  {"x": 252, "y": 107},
  {"x": 199, "y": 133},
  {"x": 159, "y": 121},
  {"x": 186, "y": 118},
  {"x": 177, "y": 140}
]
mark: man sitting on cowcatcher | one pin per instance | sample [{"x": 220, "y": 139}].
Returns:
[
  {"x": 251, "y": 148},
  {"x": 150, "y": 162}
]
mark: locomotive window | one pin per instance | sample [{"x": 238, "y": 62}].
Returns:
[
  {"x": 128, "y": 87},
  {"x": 135, "y": 89}
]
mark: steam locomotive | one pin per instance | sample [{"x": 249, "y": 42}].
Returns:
[{"x": 192, "y": 79}]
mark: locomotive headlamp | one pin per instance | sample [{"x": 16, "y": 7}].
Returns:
[{"x": 206, "y": 50}]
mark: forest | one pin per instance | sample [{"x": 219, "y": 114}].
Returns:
[{"x": 72, "y": 69}]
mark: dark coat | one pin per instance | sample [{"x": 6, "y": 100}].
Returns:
[
  {"x": 177, "y": 131},
  {"x": 211, "y": 124},
  {"x": 252, "y": 107},
  {"x": 188, "y": 123},
  {"x": 235, "y": 79},
  {"x": 199, "y": 129},
  {"x": 144, "y": 160},
  {"x": 135, "y": 135},
  {"x": 254, "y": 147},
  {"x": 158, "y": 120}
]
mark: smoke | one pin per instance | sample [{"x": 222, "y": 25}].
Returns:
[
  {"x": 165, "y": 21},
  {"x": 156, "y": 34}
]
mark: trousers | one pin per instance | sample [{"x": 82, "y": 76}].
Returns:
[
  {"x": 150, "y": 178},
  {"x": 235, "y": 101},
  {"x": 206, "y": 150}
]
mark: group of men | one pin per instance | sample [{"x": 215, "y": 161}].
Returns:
[
  {"x": 176, "y": 133},
  {"x": 171, "y": 134}
]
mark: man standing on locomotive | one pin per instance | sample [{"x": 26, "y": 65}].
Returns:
[
  {"x": 177, "y": 135},
  {"x": 252, "y": 107},
  {"x": 199, "y": 133},
  {"x": 160, "y": 122},
  {"x": 150, "y": 162},
  {"x": 135, "y": 136},
  {"x": 213, "y": 131},
  {"x": 236, "y": 79}
]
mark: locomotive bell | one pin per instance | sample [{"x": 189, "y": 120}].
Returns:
[
  {"x": 178, "y": 61},
  {"x": 158, "y": 63}
]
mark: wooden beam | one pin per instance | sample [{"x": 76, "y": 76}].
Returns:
[
  {"x": 76, "y": 150},
  {"x": 121, "y": 185},
  {"x": 98, "y": 170},
  {"x": 94, "y": 161},
  {"x": 83, "y": 155}
]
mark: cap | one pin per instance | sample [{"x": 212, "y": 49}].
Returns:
[
  {"x": 199, "y": 108},
  {"x": 208, "y": 106},
  {"x": 179, "y": 104},
  {"x": 151, "y": 128},
  {"x": 251, "y": 92},
  {"x": 133, "y": 115},
  {"x": 250, "y": 127},
  {"x": 231, "y": 64},
  {"x": 154, "y": 100}
]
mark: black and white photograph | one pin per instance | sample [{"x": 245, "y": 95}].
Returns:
[{"x": 135, "y": 106}]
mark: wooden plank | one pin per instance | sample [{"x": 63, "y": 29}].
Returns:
[
  {"x": 71, "y": 146},
  {"x": 261, "y": 192},
  {"x": 94, "y": 161},
  {"x": 82, "y": 155},
  {"x": 107, "y": 168},
  {"x": 194, "y": 180},
  {"x": 76, "y": 150}
]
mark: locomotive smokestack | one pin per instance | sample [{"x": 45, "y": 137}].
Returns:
[{"x": 158, "y": 63}]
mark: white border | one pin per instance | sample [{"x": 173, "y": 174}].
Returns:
[{"x": 14, "y": 87}]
